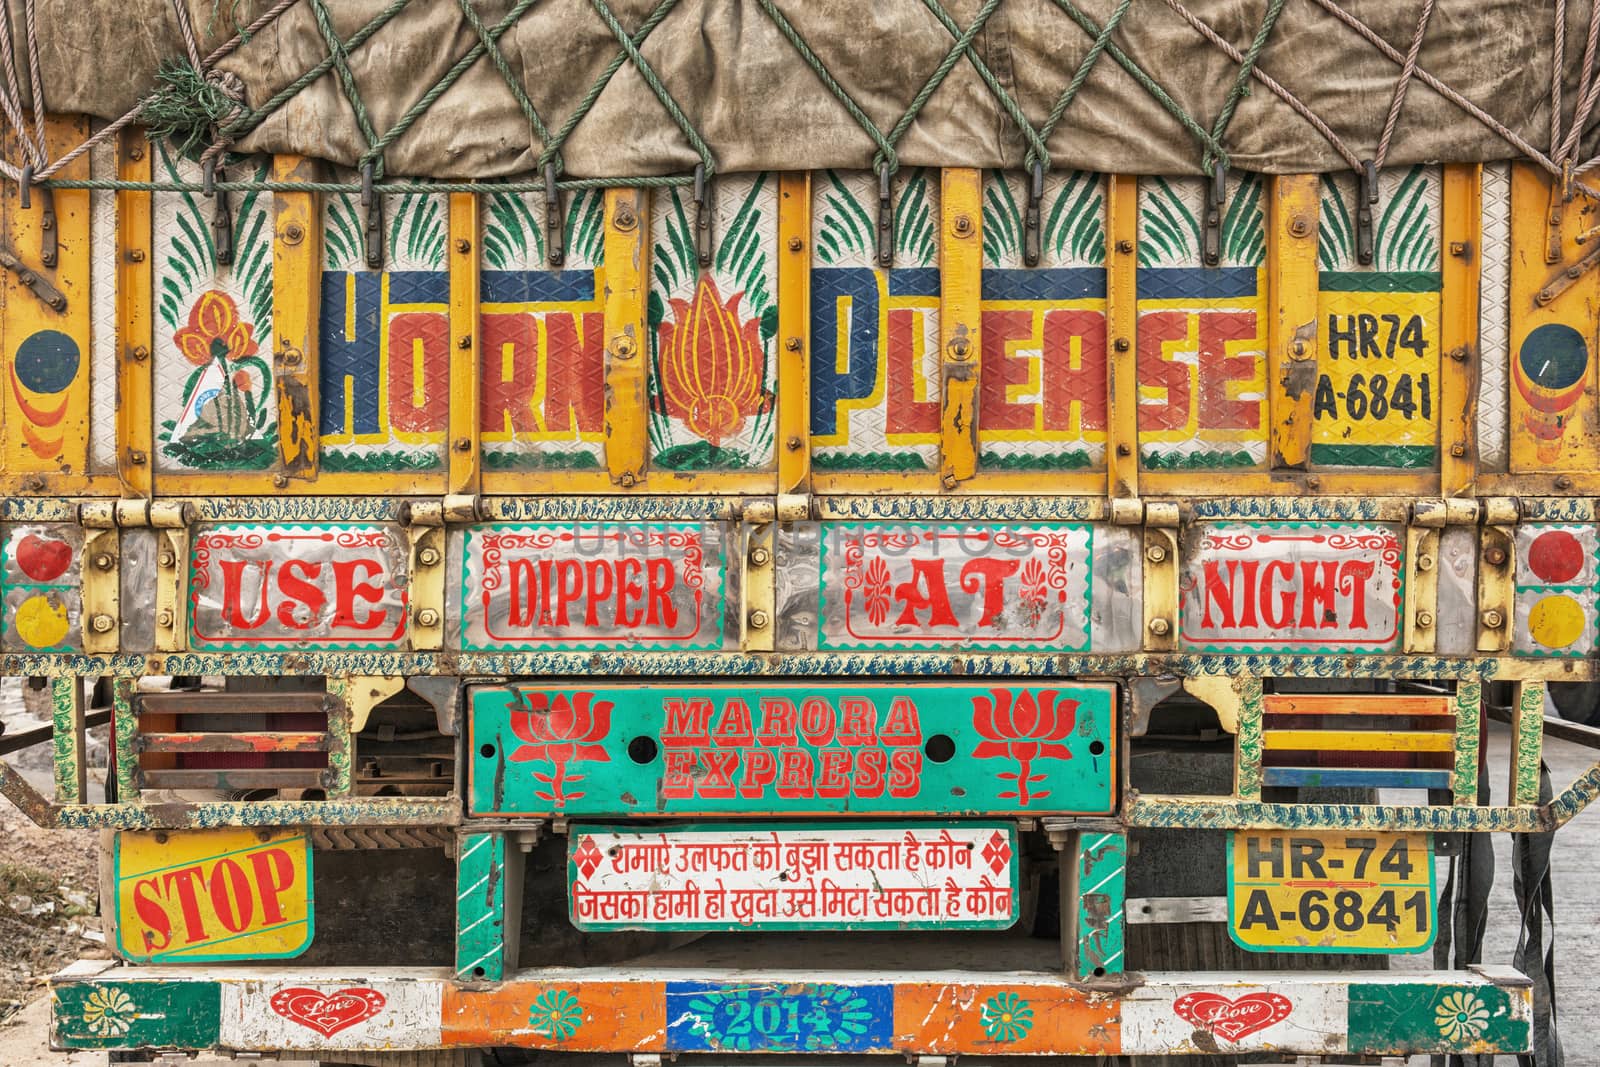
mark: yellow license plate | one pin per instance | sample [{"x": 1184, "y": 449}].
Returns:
[{"x": 1346, "y": 891}]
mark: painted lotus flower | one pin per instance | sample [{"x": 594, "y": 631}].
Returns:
[
  {"x": 1023, "y": 725},
  {"x": 1006, "y": 1017},
  {"x": 712, "y": 365},
  {"x": 224, "y": 400},
  {"x": 555, "y": 1014},
  {"x": 560, "y": 729},
  {"x": 108, "y": 1012},
  {"x": 215, "y": 331},
  {"x": 1461, "y": 1017}
]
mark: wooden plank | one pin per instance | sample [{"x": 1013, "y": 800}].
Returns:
[
  {"x": 1358, "y": 740},
  {"x": 1527, "y": 742},
  {"x": 794, "y": 332},
  {"x": 627, "y": 285},
  {"x": 1458, "y": 327},
  {"x": 1356, "y": 777},
  {"x": 135, "y": 323},
  {"x": 193, "y": 703},
  {"x": 464, "y": 477},
  {"x": 1355, "y": 704},
  {"x": 296, "y": 310},
  {"x": 960, "y": 333},
  {"x": 1122, "y": 327},
  {"x": 1291, "y": 316},
  {"x": 235, "y": 778}
]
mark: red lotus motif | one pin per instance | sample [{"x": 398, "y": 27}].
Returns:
[
  {"x": 560, "y": 729},
  {"x": 712, "y": 365},
  {"x": 1024, "y": 726}
]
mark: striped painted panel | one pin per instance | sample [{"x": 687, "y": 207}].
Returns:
[{"x": 1357, "y": 740}]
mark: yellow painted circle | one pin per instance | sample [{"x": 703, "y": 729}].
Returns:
[
  {"x": 1556, "y": 621},
  {"x": 40, "y": 623}
]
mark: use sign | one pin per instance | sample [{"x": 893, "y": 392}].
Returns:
[{"x": 213, "y": 895}]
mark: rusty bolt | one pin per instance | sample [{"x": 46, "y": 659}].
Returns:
[
  {"x": 760, "y": 557},
  {"x": 960, "y": 349},
  {"x": 1124, "y": 450},
  {"x": 464, "y": 342},
  {"x": 623, "y": 347},
  {"x": 294, "y": 233},
  {"x": 427, "y": 617},
  {"x": 793, "y": 344},
  {"x": 625, "y": 219},
  {"x": 280, "y": 480},
  {"x": 1313, "y": 483},
  {"x": 759, "y": 619},
  {"x": 1424, "y": 619},
  {"x": 626, "y": 479},
  {"x": 1125, "y": 247},
  {"x": 949, "y": 481},
  {"x": 167, "y": 559},
  {"x": 1458, "y": 248},
  {"x": 1297, "y": 349},
  {"x": 1122, "y": 344},
  {"x": 463, "y": 245},
  {"x": 104, "y": 561},
  {"x": 1544, "y": 296},
  {"x": 428, "y": 557},
  {"x": 1299, "y": 226},
  {"x": 1155, "y": 553},
  {"x": 1160, "y": 627},
  {"x": 1493, "y": 619},
  {"x": 1564, "y": 483},
  {"x": 164, "y": 618},
  {"x": 1424, "y": 563},
  {"x": 136, "y": 255},
  {"x": 463, "y": 444},
  {"x": 1458, "y": 450},
  {"x": 1494, "y": 556},
  {"x": 57, "y": 302},
  {"x": 1460, "y": 353},
  {"x": 962, "y": 226},
  {"x": 793, "y": 444},
  {"x": 137, "y": 458},
  {"x": 47, "y": 223},
  {"x": 102, "y": 624},
  {"x": 136, "y": 152},
  {"x": 140, "y": 353},
  {"x": 795, "y": 244}
]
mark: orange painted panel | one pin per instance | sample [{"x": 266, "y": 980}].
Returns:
[
  {"x": 571, "y": 1016},
  {"x": 1009, "y": 1019}
]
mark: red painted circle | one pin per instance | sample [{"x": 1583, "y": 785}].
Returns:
[{"x": 1555, "y": 556}]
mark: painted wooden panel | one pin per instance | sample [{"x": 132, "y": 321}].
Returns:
[
  {"x": 213, "y": 895},
  {"x": 1291, "y": 587},
  {"x": 1377, "y": 394},
  {"x": 874, "y": 332},
  {"x": 1099, "y": 885},
  {"x": 384, "y": 337},
  {"x": 791, "y": 749},
  {"x": 986, "y": 1017},
  {"x": 600, "y": 1015},
  {"x": 481, "y": 906},
  {"x": 334, "y": 585},
  {"x": 1223, "y": 1017},
  {"x": 1202, "y": 329},
  {"x": 287, "y": 1013},
  {"x": 1042, "y": 395},
  {"x": 617, "y": 585},
  {"x": 114, "y": 1015},
  {"x": 543, "y": 354},
  {"x": 41, "y": 603},
  {"x": 1398, "y": 1017},
  {"x": 867, "y": 876},
  {"x": 1557, "y": 590}
]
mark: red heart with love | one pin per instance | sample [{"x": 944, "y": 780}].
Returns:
[
  {"x": 43, "y": 559},
  {"x": 327, "y": 1013},
  {"x": 1235, "y": 1019}
]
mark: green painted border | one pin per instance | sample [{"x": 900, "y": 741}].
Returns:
[
  {"x": 184, "y": 958},
  {"x": 827, "y": 526},
  {"x": 199, "y": 644},
  {"x": 1469, "y": 736},
  {"x": 1408, "y": 457},
  {"x": 1380, "y": 281},
  {"x": 574, "y": 830},
  {"x": 1394, "y": 648},
  {"x": 1247, "y": 741},
  {"x": 718, "y": 595},
  {"x": 1433, "y": 906}
]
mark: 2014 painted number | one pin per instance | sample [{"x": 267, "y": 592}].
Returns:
[{"x": 776, "y": 1017}]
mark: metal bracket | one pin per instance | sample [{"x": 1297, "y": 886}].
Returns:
[
  {"x": 1366, "y": 200},
  {"x": 885, "y": 218},
  {"x": 372, "y": 203},
  {"x": 702, "y": 216},
  {"x": 221, "y": 215},
  {"x": 554, "y": 223},
  {"x": 1030, "y": 222},
  {"x": 48, "y": 294},
  {"x": 1565, "y": 278},
  {"x": 1216, "y": 197},
  {"x": 49, "y": 232},
  {"x": 1559, "y": 192}
]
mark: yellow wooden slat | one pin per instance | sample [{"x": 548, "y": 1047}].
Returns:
[
  {"x": 1358, "y": 740},
  {"x": 1122, "y": 310},
  {"x": 296, "y": 306},
  {"x": 1291, "y": 316},
  {"x": 627, "y": 285},
  {"x": 44, "y": 379},
  {"x": 463, "y": 477},
  {"x": 794, "y": 333},
  {"x": 1355, "y": 704},
  {"x": 135, "y": 325},
  {"x": 960, "y": 339},
  {"x": 1554, "y": 318},
  {"x": 1458, "y": 328}
]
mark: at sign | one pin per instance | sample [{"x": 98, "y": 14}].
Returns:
[{"x": 213, "y": 895}]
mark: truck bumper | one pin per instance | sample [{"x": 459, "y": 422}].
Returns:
[{"x": 653, "y": 1009}]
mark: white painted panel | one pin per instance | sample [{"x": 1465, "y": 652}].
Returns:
[
  {"x": 1230, "y": 1017},
  {"x": 360, "y": 1014}
]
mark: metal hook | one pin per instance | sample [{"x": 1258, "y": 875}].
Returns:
[
  {"x": 1030, "y": 236},
  {"x": 1366, "y": 199},
  {"x": 885, "y": 218},
  {"x": 27, "y": 185},
  {"x": 554, "y": 224},
  {"x": 373, "y": 203},
  {"x": 1216, "y": 197},
  {"x": 221, "y": 215},
  {"x": 702, "y": 216}
]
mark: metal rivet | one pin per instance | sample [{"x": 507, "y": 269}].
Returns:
[
  {"x": 960, "y": 349},
  {"x": 1155, "y": 553},
  {"x": 1299, "y": 226},
  {"x": 760, "y": 557},
  {"x": 1493, "y": 619},
  {"x": 463, "y": 444},
  {"x": 104, "y": 561},
  {"x": 1313, "y": 483},
  {"x": 623, "y": 347},
  {"x": 1124, "y": 450},
  {"x": 464, "y": 342},
  {"x": 1460, "y": 353},
  {"x": 1458, "y": 248},
  {"x": 759, "y": 619},
  {"x": 1543, "y": 297},
  {"x": 1458, "y": 450},
  {"x": 427, "y": 617},
  {"x": 136, "y": 152},
  {"x": 1495, "y": 556},
  {"x": 795, "y": 244},
  {"x": 1125, "y": 247},
  {"x": 626, "y": 479},
  {"x": 164, "y": 618},
  {"x": 281, "y": 481},
  {"x": 794, "y": 344},
  {"x": 102, "y": 624},
  {"x": 948, "y": 481},
  {"x": 1563, "y": 483},
  {"x": 962, "y": 226},
  {"x": 294, "y": 233},
  {"x": 428, "y": 557},
  {"x": 463, "y": 245},
  {"x": 1160, "y": 627},
  {"x": 1424, "y": 563},
  {"x": 140, "y": 353},
  {"x": 625, "y": 218},
  {"x": 137, "y": 458},
  {"x": 1297, "y": 349},
  {"x": 136, "y": 255},
  {"x": 794, "y": 444},
  {"x": 1122, "y": 344},
  {"x": 1424, "y": 619},
  {"x": 167, "y": 559}
]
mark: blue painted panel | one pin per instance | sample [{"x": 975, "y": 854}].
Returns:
[
  {"x": 537, "y": 286},
  {"x": 1048, "y": 283},
  {"x": 1196, "y": 283},
  {"x": 1365, "y": 777},
  {"x": 778, "y": 1017}
]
